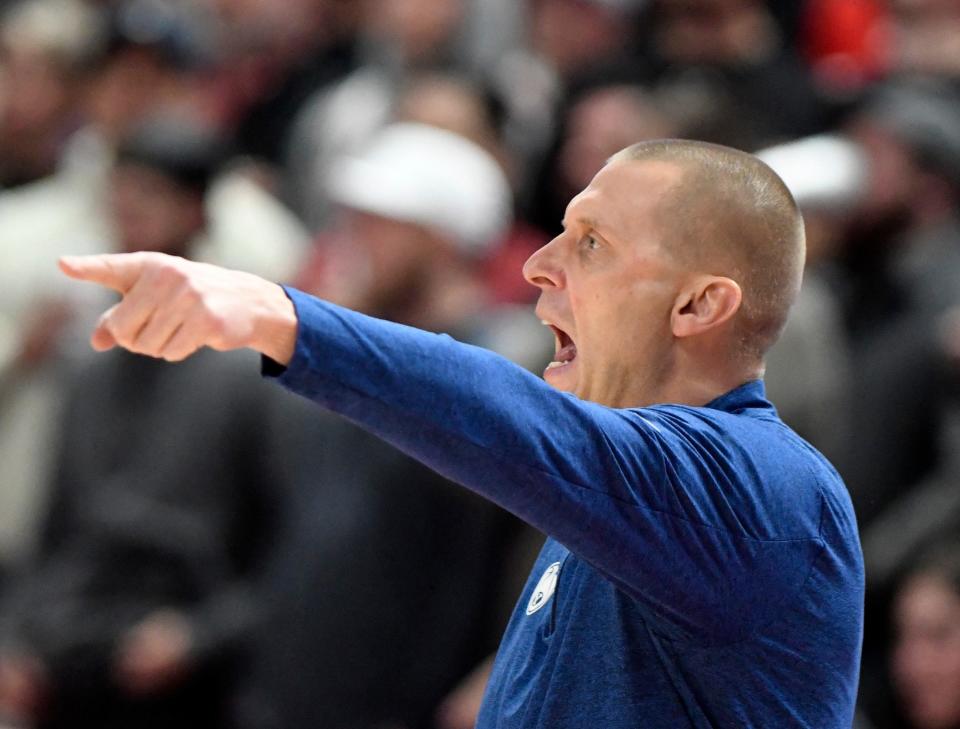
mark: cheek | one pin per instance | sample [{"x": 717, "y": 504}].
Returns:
[
  {"x": 612, "y": 331},
  {"x": 623, "y": 318},
  {"x": 950, "y": 658},
  {"x": 645, "y": 313},
  {"x": 928, "y": 674}
]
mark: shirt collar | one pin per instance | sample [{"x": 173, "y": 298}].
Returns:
[{"x": 748, "y": 396}]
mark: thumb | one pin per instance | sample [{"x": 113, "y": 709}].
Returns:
[
  {"x": 101, "y": 339},
  {"x": 118, "y": 271}
]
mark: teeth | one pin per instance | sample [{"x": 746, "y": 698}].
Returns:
[
  {"x": 545, "y": 322},
  {"x": 555, "y": 364}
]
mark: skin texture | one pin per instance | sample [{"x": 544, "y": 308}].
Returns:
[{"x": 643, "y": 288}]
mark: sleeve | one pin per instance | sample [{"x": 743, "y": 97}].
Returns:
[{"x": 642, "y": 494}]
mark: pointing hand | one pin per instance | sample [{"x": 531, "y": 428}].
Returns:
[{"x": 172, "y": 307}]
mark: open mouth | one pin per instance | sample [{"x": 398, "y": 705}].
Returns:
[{"x": 566, "y": 350}]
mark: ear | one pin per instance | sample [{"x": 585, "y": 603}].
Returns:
[{"x": 707, "y": 303}]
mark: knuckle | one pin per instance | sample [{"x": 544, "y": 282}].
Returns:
[
  {"x": 191, "y": 293},
  {"x": 216, "y": 321},
  {"x": 147, "y": 261},
  {"x": 194, "y": 294},
  {"x": 167, "y": 272},
  {"x": 151, "y": 257}
]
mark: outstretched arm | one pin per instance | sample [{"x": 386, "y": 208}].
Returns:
[{"x": 650, "y": 497}]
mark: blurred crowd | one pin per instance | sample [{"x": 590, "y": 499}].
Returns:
[{"x": 189, "y": 546}]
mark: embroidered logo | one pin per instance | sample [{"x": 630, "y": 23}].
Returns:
[{"x": 544, "y": 589}]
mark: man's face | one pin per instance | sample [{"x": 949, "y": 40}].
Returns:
[
  {"x": 608, "y": 285},
  {"x": 150, "y": 212},
  {"x": 421, "y": 28},
  {"x": 926, "y": 658},
  {"x": 601, "y": 123},
  {"x": 35, "y": 101},
  {"x": 395, "y": 255}
]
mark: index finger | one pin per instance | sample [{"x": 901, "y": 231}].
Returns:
[{"x": 118, "y": 271}]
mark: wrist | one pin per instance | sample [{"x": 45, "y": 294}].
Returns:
[{"x": 276, "y": 333}]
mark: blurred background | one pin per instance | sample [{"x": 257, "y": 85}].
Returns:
[{"x": 187, "y": 546}]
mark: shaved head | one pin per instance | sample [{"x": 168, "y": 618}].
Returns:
[{"x": 730, "y": 215}]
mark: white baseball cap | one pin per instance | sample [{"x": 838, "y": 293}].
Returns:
[
  {"x": 421, "y": 174},
  {"x": 825, "y": 172}
]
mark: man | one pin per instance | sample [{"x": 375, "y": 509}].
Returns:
[
  {"x": 703, "y": 568},
  {"x": 136, "y": 608},
  {"x": 368, "y": 527}
]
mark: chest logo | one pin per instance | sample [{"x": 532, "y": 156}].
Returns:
[{"x": 544, "y": 589}]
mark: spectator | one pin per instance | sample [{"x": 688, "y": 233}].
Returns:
[
  {"x": 398, "y": 38},
  {"x": 80, "y": 78},
  {"x": 569, "y": 41},
  {"x": 391, "y": 585},
  {"x": 900, "y": 263},
  {"x": 156, "y": 64},
  {"x": 43, "y": 45},
  {"x": 49, "y": 205},
  {"x": 925, "y": 665},
  {"x": 457, "y": 105},
  {"x": 275, "y": 57},
  {"x": 926, "y": 37},
  {"x": 597, "y": 123},
  {"x": 730, "y": 55},
  {"x": 809, "y": 371},
  {"x": 134, "y": 611}
]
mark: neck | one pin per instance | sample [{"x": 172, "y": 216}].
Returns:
[
  {"x": 697, "y": 380},
  {"x": 697, "y": 392}
]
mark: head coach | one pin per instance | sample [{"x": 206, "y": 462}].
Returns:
[{"x": 703, "y": 567}]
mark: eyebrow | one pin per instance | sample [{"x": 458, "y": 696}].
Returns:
[{"x": 587, "y": 221}]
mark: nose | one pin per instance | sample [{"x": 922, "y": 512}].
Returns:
[{"x": 543, "y": 268}]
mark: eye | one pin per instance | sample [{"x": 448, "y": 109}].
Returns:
[{"x": 590, "y": 243}]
